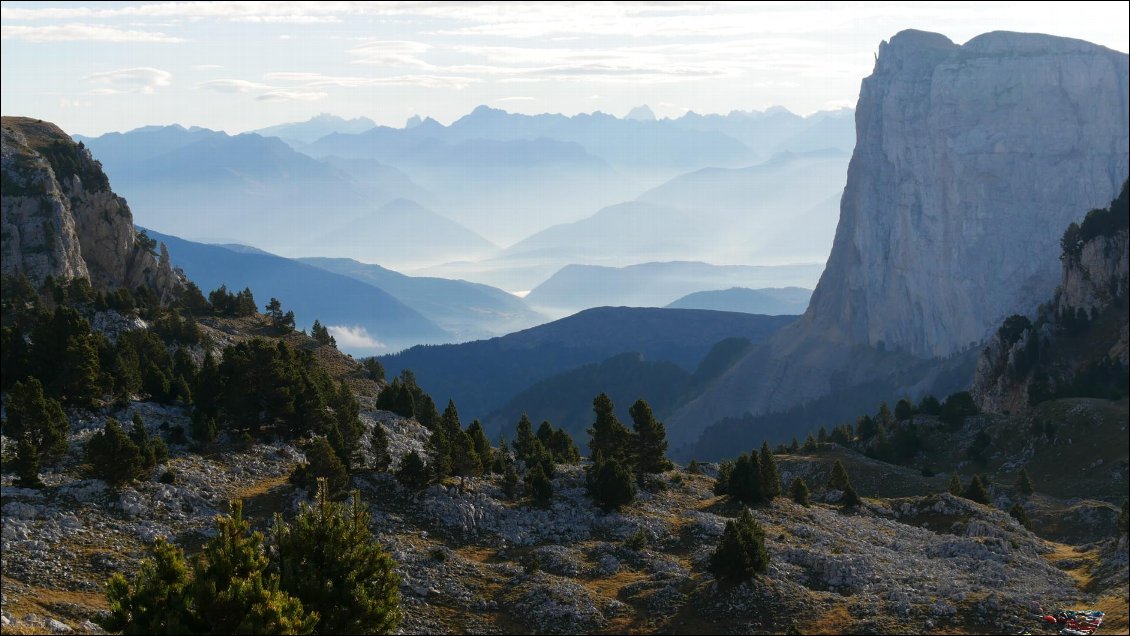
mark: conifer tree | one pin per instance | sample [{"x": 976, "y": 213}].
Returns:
[
  {"x": 378, "y": 448},
  {"x": 650, "y": 440},
  {"x": 1024, "y": 482},
  {"x": 741, "y": 553},
  {"x": 693, "y": 467},
  {"x": 770, "y": 476},
  {"x": 510, "y": 480},
  {"x": 810, "y": 444},
  {"x": 232, "y": 589},
  {"x": 153, "y": 450},
  {"x": 562, "y": 447},
  {"x": 1018, "y": 512},
  {"x": 977, "y": 491},
  {"x": 611, "y": 485},
  {"x": 525, "y": 438},
  {"x": 321, "y": 463},
  {"x": 794, "y": 448},
  {"x": 839, "y": 478},
  {"x": 39, "y": 426},
  {"x": 413, "y": 472},
  {"x": 609, "y": 437},
  {"x": 113, "y": 456},
  {"x": 955, "y": 487},
  {"x": 465, "y": 462},
  {"x": 822, "y": 435},
  {"x": 538, "y": 484},
  {"x": 331, "y": 542},
  {"x": 481, "y": 445},
  {"x": 798, "y": 490},
  {"x": 745, "y": 480},
  {"x": 158, "y": 601},
  {"x": 722, "y": 482},
  {"x": 850, "y": 498}
]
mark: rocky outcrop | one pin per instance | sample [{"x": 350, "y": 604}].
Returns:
[
  {"x": 61, "y": 219},
  {"x": 1082, "y": 329},
  {"x": 969, "y": 162}
]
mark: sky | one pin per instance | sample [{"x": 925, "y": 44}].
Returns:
[{"x": 235, "y": 66}]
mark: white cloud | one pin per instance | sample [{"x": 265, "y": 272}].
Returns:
[
  {"x": 394, "y": 53},
  {"x": 206, "y": 67},
  {"x": 81, "y": 33},
  {"x": 315, "y": 80},
  {"x": 355, "y": 337},
  {"x": 288, "y": 95},
  {"x": 129, "y": 80},
  {"x": 232, "y": 86}
]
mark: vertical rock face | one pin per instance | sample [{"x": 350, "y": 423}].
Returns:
[
  {"x": 59, "y": 217},
  {"x": 969, "y": 162}
]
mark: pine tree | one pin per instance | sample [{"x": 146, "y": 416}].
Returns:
[
  {"x": 822, "y": 436},
  {"x": 321, "y": 463},
  {"x": 226, "y": 590},
  {"x": 1024, "y": 482},
  {"x": 955, "y": 487},
  {"x": 153, "y": 450},
  {"x": 741, "y": 553},
  {"x": 525, "y": 438},
  {"x": 232, "y": 589},
  {"x": 27, "y": 464},
  {"x": 977, "y": 491},
  {"x": 538, "y": 484},
  {"x": 903, "y": 410},
  {"x": 378, "y": 448},
  {"x": 413, "y": 472},
  {"x": 39, "y": 426},
  {"x": 510, "y": 480},
  {"x": 810, "y": 445},
  {"x": 839, "y": 478},
  {"x": 850, "y": 498},
  {"x": 722, "y": 482},
  {"x": 798, "y": 490},
  {"x": 158, "y": 601},
  {"x": 693, "y": 467},
  {"x": 465, "y": 462},
  {"x": 481, "y": 445},
  {"x": 650, "y": 440},
  {"x": 1018, "y": 512},
  {"x": 611, "y": 485},
  {"x": 794, "y": 448},
  {"x": 745, "y": 481},
  {"x": 562, "y": 447},
  {"x": 609, "y": 437},
  {"x": 770, "y": 476},
  {"x": 113, "y": 456},
  {"x": 328, "y": 559}
]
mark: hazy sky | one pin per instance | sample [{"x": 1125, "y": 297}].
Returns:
[{"x": 96, "y": 67}]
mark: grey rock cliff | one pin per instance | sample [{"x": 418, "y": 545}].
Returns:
[
  {"x": 969, "y": 163},
  {"x": 59, "y": 217}
]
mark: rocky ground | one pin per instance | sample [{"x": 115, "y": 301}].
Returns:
[{"x": 473, "y": 561}]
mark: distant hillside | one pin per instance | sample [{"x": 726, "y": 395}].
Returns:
[
  {"x": 405, "y": 233},
  {"x": 565, "y": 399},
  {"x": 482, "y": 376},
  {"x": 312, "y": 293},
  {"x": 577, "y": 287},
  {"x": 466, "y": 310},
  {"x": 772, "y": 301},
  {"x": 316, "y": 127},
  {"x": 251, "y": 189}
]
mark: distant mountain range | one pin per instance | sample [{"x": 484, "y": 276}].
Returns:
[
  {"x": 394, "y": 310},
  {"x": 258, "y": 190},
  {"x": 577, "y": 287},
  {"x": 466, "y": 310},
  {"x": 482, "y": 376},
  {"x": 772, "y": 301},
  {"x": 316, "y": 127}
]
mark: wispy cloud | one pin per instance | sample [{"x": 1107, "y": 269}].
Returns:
[
  {"x": 81, "y": 33},
  {"x": 290, "y": 95},
  {"x": 232, "y": 86},
  {"x": 354, "y": 337},
  {"x": 129, "y": 80},
  {"x": 395, "y": 53},
  {"x": 316, "y": 80}
]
